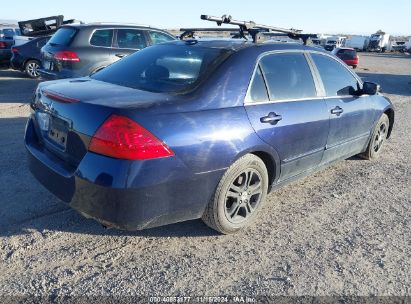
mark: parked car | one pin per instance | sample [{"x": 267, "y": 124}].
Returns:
[
  {"x": 348, "y": 55},
  {"x": 82, "y": 49},
  {"x": 199, "y": 129},
  {"x": 6, "y": 41},
  {"x": 26, "y": 57}
]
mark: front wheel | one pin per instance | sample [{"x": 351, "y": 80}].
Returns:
[
  {"x": 31, "y": 68},
  {"x": 239, "y": 195},
  {"x": 378, "y": 138}
]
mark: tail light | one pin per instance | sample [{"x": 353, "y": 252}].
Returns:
[
  {"x": 3, "y": 45},
  {"x": 121, "y": 137},
  {"x": 67, "y": 56},
  {"x": 14, "y": 50},
  {"x": 59, "y": 97}
]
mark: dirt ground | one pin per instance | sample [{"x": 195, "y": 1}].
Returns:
[{"x": 342, "y": 231}]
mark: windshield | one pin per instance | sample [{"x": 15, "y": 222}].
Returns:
[
  {"x": 332, "y": 42},
  {"x": 164, "y": 68},
  {"x": 63, "y": 36}
]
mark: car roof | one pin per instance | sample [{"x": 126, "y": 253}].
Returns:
[
  {"x": 109, "y": 24},
  {"x": 238, "y": 44}
]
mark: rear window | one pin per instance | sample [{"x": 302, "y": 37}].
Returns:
[
  {"x": 8, "y": 32},
  {"x": 164, "y": 68},
  {"x": 348, "y": 54},
  {"x": 63, "y": 36}
]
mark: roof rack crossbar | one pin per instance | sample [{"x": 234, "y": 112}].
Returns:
[
  {"x": 257, "y": 31},
  {"x": 189, "y": 32}
]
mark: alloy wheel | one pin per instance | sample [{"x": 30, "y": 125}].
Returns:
[
  {"x": 243, "y": 196},
  {"x": 380, "y": 137},
  {"x": 32, "y": 69}
]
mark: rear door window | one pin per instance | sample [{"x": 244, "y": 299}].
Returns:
[
  {"x": 102, "y": 38},
  {"x": 337, "y": 79},
  {"x": 63, "y": 36},
  {"x": 131, "y": 39},
  {"x": 158, "y": 37},
  {"x": 288, "y": 76},
  {"x": 258, "y": 90}
]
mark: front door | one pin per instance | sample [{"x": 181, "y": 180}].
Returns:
[
  {"x": 285, "y": 112},
  {"x": 351, "y": 118}
]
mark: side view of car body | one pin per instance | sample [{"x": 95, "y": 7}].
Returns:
[
  {"x": 27, "y": 58},
  {"x": 199, "y": 129},
  {"x": 82, "y": 49},
  {"x": 348, "y": 55}
]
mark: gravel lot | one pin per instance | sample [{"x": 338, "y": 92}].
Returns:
[{"x": 342, "y": 231}]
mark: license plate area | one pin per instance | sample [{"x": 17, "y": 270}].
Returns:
[{"x": 57, "y": 133}]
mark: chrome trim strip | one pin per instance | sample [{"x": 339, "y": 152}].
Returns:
[{"x": 294, "y": 158}]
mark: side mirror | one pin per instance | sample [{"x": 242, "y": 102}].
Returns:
[{"x": 370, "y": 88}]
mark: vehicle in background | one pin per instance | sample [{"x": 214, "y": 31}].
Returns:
[
  {"x": 379, "y": 42},
  {"x": 27, "y": 57},
  {"x": 408, "y": 46},
  {"x": 8, "y": 32},
  {"x": 41, "y": 27},
  {"x": 399, "y": 46},
  {"x": 348, "y": 55},
  {"x": 7, "y": 35},
  {"x": 358, "y": 43},
  {"x": 82, "y": 49},
  {"x": 334, "y": 42}
]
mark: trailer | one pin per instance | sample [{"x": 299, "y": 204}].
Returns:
[
  {"x": 379, "y": 42},
  {"x": 335, "y": 42},
  {"x": 359, "y": 43}
]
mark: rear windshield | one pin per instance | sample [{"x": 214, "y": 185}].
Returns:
[
  {"x": 63, "y": 36},
  {"x": 164, "y": 68},
  {"x": 8, "y": 32}
]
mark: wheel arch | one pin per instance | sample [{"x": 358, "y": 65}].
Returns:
[
  {"x": 390, "y": 113},
  {"x": 271, "y": 160}
]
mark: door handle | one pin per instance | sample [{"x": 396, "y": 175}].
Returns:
[
  {"x": 271, "y": 118},
  {"x": 337, "y": 111},
  {"x": 120, "y": 55}
]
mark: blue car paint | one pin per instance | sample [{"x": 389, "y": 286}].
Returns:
[{"x": 208, "y": 129}]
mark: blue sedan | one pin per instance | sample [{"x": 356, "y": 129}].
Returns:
[{"x": 199, "y": 129}]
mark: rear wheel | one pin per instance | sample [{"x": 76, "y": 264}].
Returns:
[
  {"x": 239, "y": 195},
  {"x": 354, "y": 67},
  {"x": 31, "y": 68},
  {"x": 378, "y": 138}
]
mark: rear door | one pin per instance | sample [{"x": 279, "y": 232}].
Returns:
[
  {"x": 99, "y": 52},
  {"x": 286, "y": 113},
  {"x": 351, "y": 117},
  {"x": 128, "y": 41}
]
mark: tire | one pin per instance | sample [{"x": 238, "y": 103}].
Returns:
[
  {"x": 379, "y": 135},
  {"x": 354, "y": 67},
  {"x": 31, "y": 68},
  {"x": 234, "y": 206}
]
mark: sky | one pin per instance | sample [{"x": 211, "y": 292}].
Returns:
[{"x": 312, "y": 16}]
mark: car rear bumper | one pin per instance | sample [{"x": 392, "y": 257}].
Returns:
[
  {"x": 53, "y": 75},
  {"x": 5, "y": 55},
  {"x": 353, "y": 62},
  {"x": 120, "y": 194}
]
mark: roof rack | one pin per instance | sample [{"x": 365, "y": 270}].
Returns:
[{"x": 258, "y": 32}]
